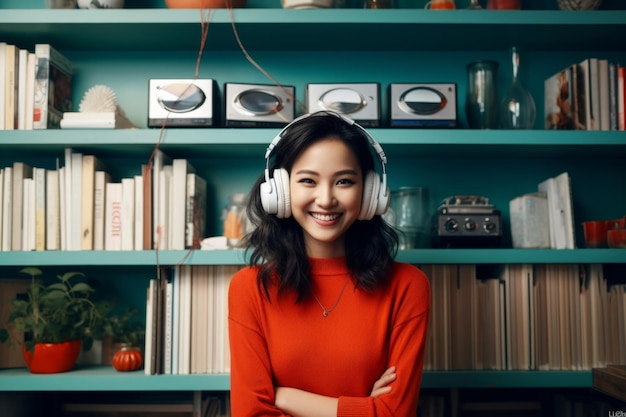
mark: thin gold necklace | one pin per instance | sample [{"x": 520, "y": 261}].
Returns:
[{"x": 327, "y": 311}]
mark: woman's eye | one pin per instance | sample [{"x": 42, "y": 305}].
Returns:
[
  {"x": 306, "y": 181},
  {"x": 345, "y": 181}
]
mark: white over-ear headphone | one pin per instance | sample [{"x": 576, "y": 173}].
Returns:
[{"x": 275, "y": 190}]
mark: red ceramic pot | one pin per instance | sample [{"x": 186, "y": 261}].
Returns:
[
  {"x": 204, "y": 4},
  {"x": 52, "y": 358}
]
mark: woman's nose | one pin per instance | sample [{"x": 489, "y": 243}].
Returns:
[{"x": 325, "y": 196}]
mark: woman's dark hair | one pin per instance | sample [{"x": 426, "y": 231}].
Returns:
[{"x": 277, "y": 245}]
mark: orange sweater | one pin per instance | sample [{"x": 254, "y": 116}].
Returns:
[{"x": 281, "y": 343}]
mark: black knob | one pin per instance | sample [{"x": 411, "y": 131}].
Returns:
[
  {"x": 451, "y": 225},
  {"x": 470, "y": 225}
]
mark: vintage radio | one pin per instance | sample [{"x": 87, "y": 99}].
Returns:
[
  {"x": 358, "y": 101},
  {"x": 465, "y": 222},
  {"x": 258, "y": 105},
  {"x": 183, "y": 103},
  {"x": 423, "y": 105}
]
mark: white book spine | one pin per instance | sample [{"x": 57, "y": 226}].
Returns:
[
  {"x": 100, "y": 180},
  {"x": 138, "y": 217},
  {"x": 21, "y": 88},
  {"x": 75, "y": 221},
  {"x": 113, "y": 217},
  {"x": 40, "y": 175},
  {"x": 7, "y": 208},
  {"x": 167, "y": 325},
  {"x": 28, "y": 212},
  {"x": 53, "y": 240},
  {"x": 128, "y": 213}
]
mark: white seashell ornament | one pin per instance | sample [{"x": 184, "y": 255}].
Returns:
[{"x": 98, "y": 98}]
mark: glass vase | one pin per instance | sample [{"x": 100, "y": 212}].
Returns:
[
  {"x": 517, "y": 107},
  {"x": 481, "y": 101}
]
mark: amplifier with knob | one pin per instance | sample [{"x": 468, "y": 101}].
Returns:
[{"x": 467, "y": 222}]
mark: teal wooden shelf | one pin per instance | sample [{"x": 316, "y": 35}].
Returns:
[
  {"x": 241, "y": 143},
  {"x": 336, "y": 29},
  {"x": 236, "y": 257},
  {"x": 107, "y": 379}
]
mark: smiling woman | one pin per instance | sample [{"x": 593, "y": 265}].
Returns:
[{"x": 324, "y": 319}]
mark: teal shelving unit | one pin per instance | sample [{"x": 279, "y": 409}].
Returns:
[{"x": 124, "y": 48}]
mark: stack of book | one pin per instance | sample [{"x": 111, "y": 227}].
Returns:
[
  {"x": 35, "y": 87},
  {"x": 586, "y": 96}
]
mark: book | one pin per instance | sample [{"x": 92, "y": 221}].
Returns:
[
  {"x": 588, "y": 72},
  {"x": 90, "y": 165},
  {"x": 22, "y": 63},
  {"x": 21, "y": 170},
  {"x": 621, "y": 98},
  {"x": 10, "y": 86},
  {"x": 53, "y": 225},
  {"x": 3, "y": 49},
  {"x": 128, "y": 213},
  {"x": 530, "y": 223},
  {"x": 560, "y": 211},
  {"x": 96, "y": 120},
  {"x": 113, "y": 216},
  {"x": 1, "y": 204},
  {"x": 612, "y": 96},
  {"x": 180, "y": 169},
  {"x": 7, "y": 208},
  {"x": 101, "y": 179},
  {"x": 29, "y": 95},
  {"x": 139, "y": 210},
  {"x": 40, "y": 177},
  {"x": 604, "y": 110},
  {"x": 195, "y": 213},
  {"x": 28, "y": 213},
  {"x": 53, "y": 87},
  {"x": 150, "y": 334},
  {"x": 75, "y": 191},
  {"x": 559, "y": 96},
  {"x": 158, "y": 160}
]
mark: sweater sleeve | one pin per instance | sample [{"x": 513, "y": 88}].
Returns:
[
  {"x": 407, "y": 345},
  {"x": 251, "y": 386}
]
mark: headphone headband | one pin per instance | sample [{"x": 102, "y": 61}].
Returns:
[{"x": 375, "y": 145}]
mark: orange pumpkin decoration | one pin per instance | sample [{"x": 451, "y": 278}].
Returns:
[{"x": 127, "y": 359}]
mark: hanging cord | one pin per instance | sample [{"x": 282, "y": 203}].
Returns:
[{"x": 256, "y": 65}]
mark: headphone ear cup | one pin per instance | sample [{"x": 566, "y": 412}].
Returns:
[
  {"x": 369, "y": 203},
  {"x": 383, "y": 200},
  {"x": 281, "y": 179},
  {"x": 269, "y": 196}
]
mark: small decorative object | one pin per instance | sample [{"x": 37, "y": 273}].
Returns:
[
  {"x": 474, "y": 5},
  {"x": 234, "y": 218},
  {"x": 307, "y": 4},
  {"x": 127, "y": 359},
  {"x": 379, "y": 4},
  {"x": 579, "y": 4},
  {"x": 61, "y": 313},
  {"x": 504, "y": 4},
  {"x": 100, "y": 4},
  {"x": 517, "y": 107},
  {"x": 481, "y": 102},
  {"x": 61, "y": 4},
  {"x": 98, "y": 98},
  {"x": 440, "y": 5},
  {"x": 205, "y": 4}
]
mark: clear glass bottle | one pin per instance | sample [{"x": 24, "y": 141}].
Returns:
[
  {"x": 234, "y": 218},
  {"x": 517, "y": 107},
  {"x": 481, "y": 102}
]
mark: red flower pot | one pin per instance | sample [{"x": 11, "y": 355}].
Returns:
[{"x": 52, "y": 358}]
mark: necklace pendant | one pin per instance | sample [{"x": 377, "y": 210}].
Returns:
[{"x": 325, "y": 313}]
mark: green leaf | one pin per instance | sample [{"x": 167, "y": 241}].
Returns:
[{"x": 32, "y": 271}]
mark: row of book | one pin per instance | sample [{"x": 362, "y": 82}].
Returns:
[
  {"x": 35, "y": 87},
  {"x": 78, "y": 206},
  {"x": 589, "y": 95},
  {"x": 187, "y": 320},
  {"x": 525, "y": 317}
]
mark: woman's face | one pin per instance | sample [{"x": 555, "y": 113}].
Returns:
[{"x": 326, "y": 185}]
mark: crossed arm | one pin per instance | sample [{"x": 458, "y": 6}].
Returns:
[{"x": 299, "y": 403}]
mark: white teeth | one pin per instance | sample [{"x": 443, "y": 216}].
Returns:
[{"x": 325, "y": 217}]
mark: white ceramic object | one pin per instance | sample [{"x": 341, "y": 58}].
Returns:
[
  {"x": 307, "y": 4},
  {"x": 100, "y": 4}
]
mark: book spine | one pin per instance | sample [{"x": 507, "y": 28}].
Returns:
[
  {"x": 54, "y": 71},
  {"x": 7, "y": 208},
  {"x": 113, "y": 217},
  {"x": 52, "y": 210},
  {"x": 40, "y": 175},
  {"x": 128, "y": 213},
  {"x": 10, "y": 84},
  {"x": 621, "y": 98}
]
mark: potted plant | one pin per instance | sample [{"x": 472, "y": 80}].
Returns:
[{"x": 56, "y": 319}]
